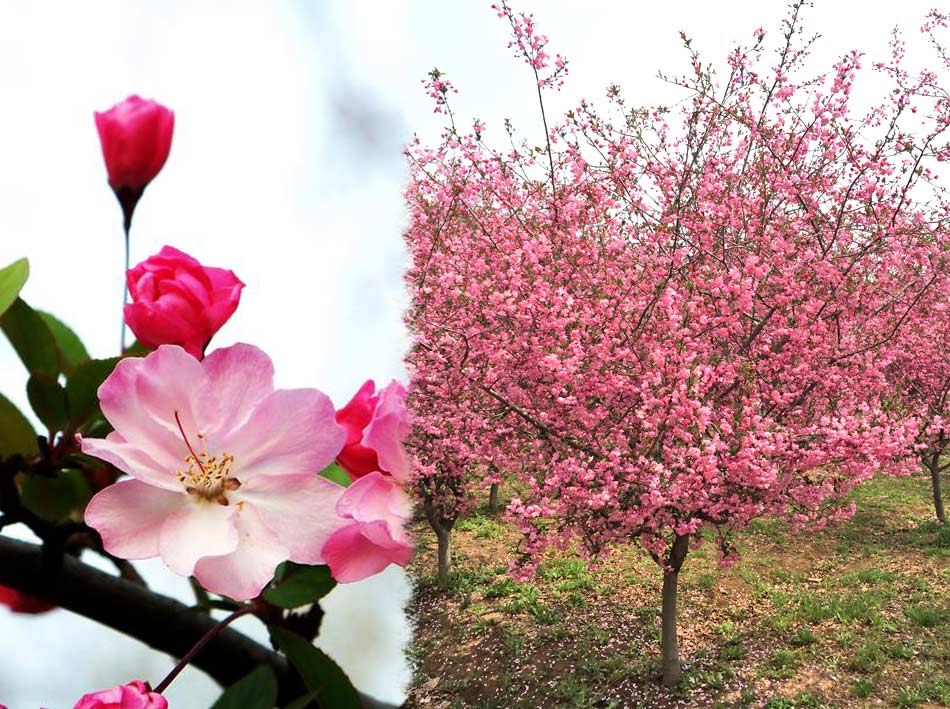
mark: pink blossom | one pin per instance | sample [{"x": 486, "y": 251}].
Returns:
[
  {"x": 375, "y": 538},
  {"x": 134, "y": 695},
  {"x": 177, "y": 301},
  {"x": 376, "y": 426},
  {"x": 223, "y": 467}
]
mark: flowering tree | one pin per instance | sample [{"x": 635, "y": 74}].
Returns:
[
  {"x": 243, "y": 488},
  {"x": 920, "y": 370},
  {"x": 679, "y": 319},
  {"x": 921, "y": 376}
]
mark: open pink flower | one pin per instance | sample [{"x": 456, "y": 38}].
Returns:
[
  {"x": 375, "y": 537},
  {"x": 224, "y": 467},
  {"x": 376, "y": 427},
  {"x": 134, "y": 695},
  {"x": 177, "y": 301}
]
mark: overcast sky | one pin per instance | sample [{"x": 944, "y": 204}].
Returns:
[{"x": 286, "y": 167}]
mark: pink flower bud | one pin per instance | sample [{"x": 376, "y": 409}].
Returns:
[
  {"x": 22, "y": 603},
  {"x": 136, "y": 136},
  {"x": 177, "y": 301},
  {"x": 134, "y": 695}
]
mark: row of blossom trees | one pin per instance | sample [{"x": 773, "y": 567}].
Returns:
[
  {"x": 669, "y": 323},
  {"x": 264, "y": 498}
]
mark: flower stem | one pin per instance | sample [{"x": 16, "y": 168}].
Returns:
[
  {"x": 205, "y": 639},
  {"x": 125, "y": 289}
]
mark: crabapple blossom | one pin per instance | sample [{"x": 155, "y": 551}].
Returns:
[
  {"x": 134, "y": 695},
  {"x": 376, "y": 426},
  {"x": 223, "y": 467},
  {"x": 376, "y": 510},
  {"x": 177, "y": 301}
]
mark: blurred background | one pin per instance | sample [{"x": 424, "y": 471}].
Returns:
[{"x": 286, "y": 166}]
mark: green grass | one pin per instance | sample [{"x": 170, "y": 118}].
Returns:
[
  {"x": 483, "y": 527},
  {"x": 733, "y": 651},
  {"x": 845, "y": 608},
  {"x": 925, "y": 616},
  {"x": 862, "y": 688},
  {"x": 782, "y": 664},
  {"x": 866, "y": 659},
  {"x": 869, "y": 577},
  {"x": 856, "y": 600},
  {"x": 935, "y": 690},
  {"x": 803, "y": 637}
]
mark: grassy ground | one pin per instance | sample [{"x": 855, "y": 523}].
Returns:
[{"x": 858, "y": 615}]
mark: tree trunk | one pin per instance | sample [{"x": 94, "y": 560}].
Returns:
[
  {"x": 443, "y": 534},
  {"x": 444, "y": 569},
  {"x": 671, "y": 659},
  {"x": 934, "y": 465},
  {"x": 493, "y": 498}
]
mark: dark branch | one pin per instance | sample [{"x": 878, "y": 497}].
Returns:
[{"x": 160, "y": 622}]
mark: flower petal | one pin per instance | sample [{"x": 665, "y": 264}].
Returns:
[
  {"x": 238, "y": 377},
  {"x": 375, "y": 497},
  {"x": 353, "y": 556},
  {"x": 290, "y": 431},
  {"x": 129, "y": 516},
  {"x": 130, "y": 459},
  {"x": 300, "y": 509},
  {"x": 196, "y": 530},
  {"x": 244, "y": 572},
  {"x": 141, "y": 396},
  {"x": 388, "y": 429}
]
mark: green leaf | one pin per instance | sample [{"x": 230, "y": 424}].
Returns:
[
  {"x": 82, "y": 390},
  {"x": 16, "y": 432},
  {"x": 48, "y": 400},
  {"x": 31, "y": 338},
  {"x": 57, "y": 498},
  {"x": 334, "y": 473},
  {"x": 71, "y": 349},
  {"x": 136, "y": 349},
  {"x": 318, "y": 672},
  {"x": 258, "y": 690},
  {"x": 304, "y": 701},
  {"x": 12, "y": 279},
  {"x": 300, "y": 585}
]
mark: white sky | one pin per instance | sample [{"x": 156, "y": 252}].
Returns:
[{"x": 286, "y": 167}]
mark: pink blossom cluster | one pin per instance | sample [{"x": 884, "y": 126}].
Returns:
[
  {"x": 673, "y": 321},
  {"x": 530, "y": 45}
]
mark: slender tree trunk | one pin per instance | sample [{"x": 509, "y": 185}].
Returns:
[
  {"x": 493, "y": 498},
  {"x": 934, "y": 465},
  {"x": 444, "y": 569},
  {"x": 671, "y": 659},
  {"x": 443, "y": 534}
]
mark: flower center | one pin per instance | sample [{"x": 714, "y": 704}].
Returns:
[{"x": 208, "y": 477}]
